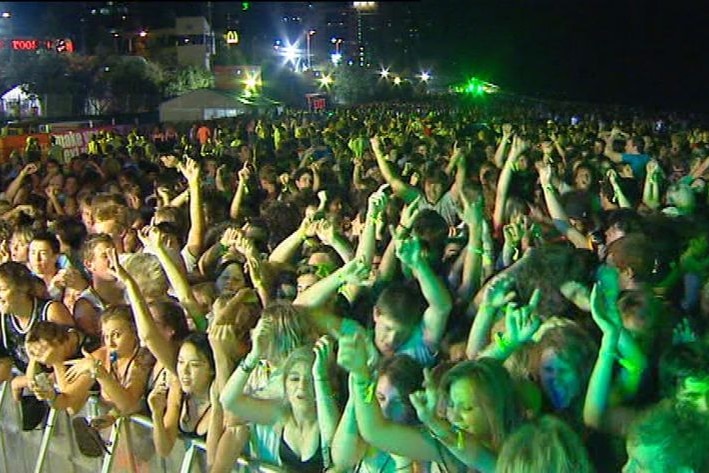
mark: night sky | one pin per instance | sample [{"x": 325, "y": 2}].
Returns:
[{"x": 636, "y": 52}]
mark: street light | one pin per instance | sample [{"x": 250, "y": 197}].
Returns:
[
  {"x": 326, "y": 81},
  {"x": 425, "y": 76},
  {"x": 397, "y": 80},
  {"x": 307, "y": 42},
  {"x": 384, "y": 73},
  {"x": 6, "y": 14}
]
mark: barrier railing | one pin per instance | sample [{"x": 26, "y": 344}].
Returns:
[{"x": 54, "y": 449}]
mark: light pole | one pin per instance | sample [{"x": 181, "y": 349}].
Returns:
[{"x": 307, "y": 43}]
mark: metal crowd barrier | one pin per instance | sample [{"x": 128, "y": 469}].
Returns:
[{"x": 130, "y": 446}]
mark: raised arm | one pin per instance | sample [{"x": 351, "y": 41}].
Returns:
[
  {"x": 325, "y": 231},
  {"x": 473, "y": 252},
  {"x": 286, "y": 250},
  {"x": 440, "y": 303},
  {"x": 148, "y": 331},
  {"x": 651, "y": 187},
  {"x": 608, "y": 150},
  {"x": 241, "y": 189},
  {"x": 620, "y": 196},
  {"x": 556, "y": 210},
  {"x": 233, "y": 398},
  {"x": 398, "y": 185},
  {"x": 501, "y": 151},
  {"x": 16, "y": 183},
  {"x": 195, "y": 237},
  {"x": 151, "y": 238},
  {"x": 399, "y": 439},
  {"x": 327, "y": 411},
  {"x": 503, "y": 183}
]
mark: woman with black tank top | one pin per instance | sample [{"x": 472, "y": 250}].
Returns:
[
  {"x": 294, "y": 432},
  {"x": 20, "y": 310},
  {"x": 184, "y": 404}
]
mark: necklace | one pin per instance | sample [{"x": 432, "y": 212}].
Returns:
[{"x": 16, "y": 326}]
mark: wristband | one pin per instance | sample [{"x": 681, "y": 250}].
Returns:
[
  {"x": 502, "y": 342},
  {"x": 223, "y": 249},
  {"x": 245, "y": 367}
]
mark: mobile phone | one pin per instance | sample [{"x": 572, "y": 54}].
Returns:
[{"x": 43, "y": 381}]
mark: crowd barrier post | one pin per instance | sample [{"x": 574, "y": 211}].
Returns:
[
  {"x": 46, "y": 438},
  {"x": 115, "y": 435},
  {"x": 186, "y": 466}
]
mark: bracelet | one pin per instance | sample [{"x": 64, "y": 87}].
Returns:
[
  {"x": 550, "y": 188},
  {"x": 245, "y": 367},
  {"x": 502, "y": 342}
]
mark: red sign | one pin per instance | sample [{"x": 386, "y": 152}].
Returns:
[{"x": 31, "y": 44}]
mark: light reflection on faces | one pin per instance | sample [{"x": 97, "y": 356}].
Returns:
[{"x": 464, "y": 409}]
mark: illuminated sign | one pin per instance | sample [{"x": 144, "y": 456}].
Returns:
[
  {"x": 232, "y": 37},
  {"x": 64, "y": 45}
]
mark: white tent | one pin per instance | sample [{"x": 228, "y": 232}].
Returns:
[
  {"x": 203, "y": 104},
  {"x": 16, "y": 103}
]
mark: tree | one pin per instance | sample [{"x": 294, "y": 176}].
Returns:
[
  {"x": 133, "y": 83},
  {"x": 186, "y": 79},
  {"x": 353, "y": 84}
]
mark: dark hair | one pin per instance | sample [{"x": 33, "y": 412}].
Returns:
[
  {"x": 71, "y": 231},
  {"x": 402, "y": 304},
  {"x": 19, "y": 275},
  {"x": 48, "y": 331},
  {"x": 49, "y": 238},
  {"x": 173, "y": 316},
  {"x": 200, "y": 341},
  {"x": 626, "y": 220},
  {"x": 635, "y": 252},
  {"x": 404, "y": 373}
]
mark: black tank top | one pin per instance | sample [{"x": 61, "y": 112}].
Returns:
[
  {"x": 13, "y": 336},
  {"x": 292, "y": 462}
]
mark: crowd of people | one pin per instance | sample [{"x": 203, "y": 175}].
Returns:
[{"x": 436, "y": 286}]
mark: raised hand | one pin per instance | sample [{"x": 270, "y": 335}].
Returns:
[
  {"x": 425, "y": 401},
  {"x": 325, "y": 231},
  {"x": 683, "y": 333},
  {"x": 472, "y": 209},
  {"x": 170, "y": 161},
  {"x": 352, "y": 355},
  {"x": 377, "y": 202},
  {"x": 506, "y": 130},
  {"x": 522, "y": 323},
  {"x": 30, "y": 169},
  {"x": 261, "y": 337},
  {"x": 408, "y": 250},
  {"x": 410, "y": 211},
  {"x": 545, "y": 173},
  {"x": 513, "y": 233},
  {"x": 150, "y": 237},
  {"x": 190, "y": 169},
  {"x": 230, "y": 237},
  {"x": 324, "y": 350},
  {"x": 607, "y": 318},
  {"x": 114, "y": 265},
  {"x": 499, "y": 293},
  {"x": 355, "y": 272}
]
